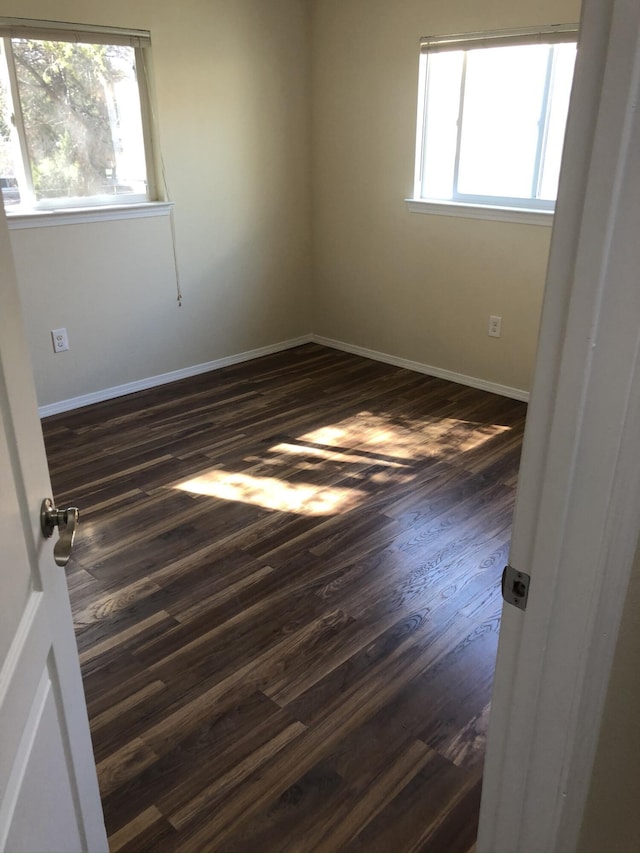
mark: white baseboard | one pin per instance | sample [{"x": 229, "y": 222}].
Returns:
[
  {"x": 429, "y": 370},
  {"x": 196, "y": 369},
  {"x": 164, "y": 378}
]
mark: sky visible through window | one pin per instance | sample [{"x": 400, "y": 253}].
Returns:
[{"x": 495, "y": 126}]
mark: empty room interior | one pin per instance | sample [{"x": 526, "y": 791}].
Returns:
[{"x": 290, "y": 404}]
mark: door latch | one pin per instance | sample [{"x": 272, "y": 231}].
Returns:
[
  {"x": 66, "y": 520},
  {"x": 515, "y": 587}
]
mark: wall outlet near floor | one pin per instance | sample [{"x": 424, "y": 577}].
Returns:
[
  {"x": 60, "y": 340},
  {"x": 495, "y": 325}
]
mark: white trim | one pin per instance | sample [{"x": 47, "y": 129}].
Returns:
[
  {"x": 25, "y": 745},
  {"x": 165, "y": 378},
  {"x": 428, "y": 369},
  {"x": 19, "y": 677},
  {"x": 78, "y": 215},
  {"x": 524, "y": 216},
  {"x": 20, "y": 645}
]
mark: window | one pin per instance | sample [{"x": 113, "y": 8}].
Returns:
[
  {"x": 492, "y": 110},
  {"x": 72, "y": 108}
]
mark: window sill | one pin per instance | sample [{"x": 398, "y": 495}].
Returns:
[
  {"x": 526, "y": 216},
  {"x": 77, "y": 215}
]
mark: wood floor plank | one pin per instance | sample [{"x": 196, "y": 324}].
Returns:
[
  {"x": 286, "y": 600},
  {"x": 359, "y": 809},
  {"x": 232, "y": 779},
  {"x": 123, "y": 839},
  {"x": 296, "y": 819},
  {"x": 336, "y": 720},
  {"x": 228, "y": 738},
  {"x": 122, "y": 765},
  {"x": 440, "y": 798}
]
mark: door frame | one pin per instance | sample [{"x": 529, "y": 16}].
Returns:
[{"x": 577, "y": 513}]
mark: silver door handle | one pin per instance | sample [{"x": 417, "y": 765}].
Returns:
[{"x": 66, "y": 520}]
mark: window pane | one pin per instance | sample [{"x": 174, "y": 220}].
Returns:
[
  {"x": 563, "y": 63},
  {"x": 10, "y": 173},
  {"x": 504, "y": 90},
  {"x": 444, "y": 76},
  {"x": 81, "y": 111}
]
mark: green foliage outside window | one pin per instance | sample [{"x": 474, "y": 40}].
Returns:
[{"x": 66, "y": 95}]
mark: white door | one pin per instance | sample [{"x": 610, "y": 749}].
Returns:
[
  {"x": 49, "y": 799},
  {"x": 578, "y": 506}
]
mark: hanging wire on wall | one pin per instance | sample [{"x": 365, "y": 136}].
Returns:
[{"x": 163, "y": 172}]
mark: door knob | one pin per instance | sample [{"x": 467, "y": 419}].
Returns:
[{"x": 66, "y": 520}]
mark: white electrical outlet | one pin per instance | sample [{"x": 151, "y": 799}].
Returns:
[
  {"x": 60, "y": 340},
  {"x": 495, "y": 325}
]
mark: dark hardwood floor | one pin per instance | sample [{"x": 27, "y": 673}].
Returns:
[{"x": 286, "y": 598}]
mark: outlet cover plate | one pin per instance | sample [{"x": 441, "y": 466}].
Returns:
[
  {"x": 495, "y": 326},
  {"x": 60, "y": 340}
]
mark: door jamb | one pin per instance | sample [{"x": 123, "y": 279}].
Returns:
[{"x": 578, "y": 505}]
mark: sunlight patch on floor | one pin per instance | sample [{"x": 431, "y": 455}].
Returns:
[
  {"x": 331, "y": 454},
  {"x": 405, "y": 440},
  {"x": 365, "y": 450},
  {"x": 271, "y": 493}
]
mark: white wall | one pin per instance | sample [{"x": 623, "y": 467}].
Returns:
[
  {"x": 611, "y": 818},
  {"x": 415, "y": 286},
  {"x": 231, "y": 80}
]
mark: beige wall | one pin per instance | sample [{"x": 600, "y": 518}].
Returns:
[
  {"x": 611, "y": 822},
  {"x": 232, "y": 98},
  {"x": 414, "y": 286},
  {"x": 262, "y": 152}
]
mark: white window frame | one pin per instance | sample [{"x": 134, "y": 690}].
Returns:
[
  {"x": 530, "y": 210},
  {"x": 113, "y": 206}
]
